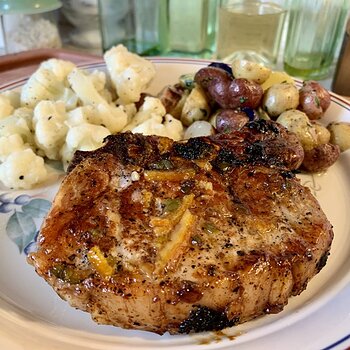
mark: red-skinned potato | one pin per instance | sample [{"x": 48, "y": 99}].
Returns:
[
  {"x": 207, "y": 76},
  {"x": 228, "y": 92},
  {"x": 320, "y": 158},
  {"x": 228, "y": 120},
  {"x": 314, "y": 99}
]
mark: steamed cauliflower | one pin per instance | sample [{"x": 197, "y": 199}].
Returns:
[
  {"x": 15, "y": 124},
  {"x": 83, "y": 137},
  {"x": 152, "y": 106},
  {"x": 130, "y": 110},
  {"x": 50, "y": 128},
  {"x": 62, "y": 109},
  {"x": 112, "y": 117},
  {"x": 130, "y": 74},
  {"x": 23, "y": 169},
  {"x": 45, "y": 85},
  {"x": 6, "y": 108},
  {"x": 60, "y": 68},
  {"x": 26, "y": 114},
  {"x": 80, "y": 115},
  {"x": 151, "y": 119},
  {"x": 14, "y": 97},
  {"x": 10, "y": 144},
  {"x": 155, "y": 125},
  {"x": 98, "y": 79}
]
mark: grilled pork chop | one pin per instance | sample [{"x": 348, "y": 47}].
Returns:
[{"x": 152, "y": 234}]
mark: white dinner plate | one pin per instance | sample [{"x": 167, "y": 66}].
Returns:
[{"x": 32, "y": 316}]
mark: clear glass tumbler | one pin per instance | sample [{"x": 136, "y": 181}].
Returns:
[
  {"x": 250, "y": 29},
  {"x": 187, "y": 28},
  {"x": 116, "y": 23},
  {"x": 314, "y": 32},
  {"x": 160, "y": 27}
]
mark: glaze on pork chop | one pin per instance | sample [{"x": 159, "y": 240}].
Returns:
[{"x": 152, "y": 234}]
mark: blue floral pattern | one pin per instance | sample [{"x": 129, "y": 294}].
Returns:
[{"x": 26, "y": 214}]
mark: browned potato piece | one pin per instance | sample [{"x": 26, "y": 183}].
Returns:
[
  {"x": 228, "y": 120},
  {"x": 320, "y": 158},
  {"x": 314, "y": 99},
  {"x": 196, "y": 107},
  {"x": 173, "y": 99},
  {"x": 226, "y": 91}
]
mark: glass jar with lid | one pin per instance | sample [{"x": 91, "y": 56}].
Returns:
[{"x": 28, "y": 24}]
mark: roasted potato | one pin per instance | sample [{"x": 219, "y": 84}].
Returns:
[
  {"x": 228, "y": 92},
  {"x": 298, "y": 122},
  {"x": 196, "y": 107},
  {"x": 212, "y": 119},
  {"x": 228, "y": 120},
  {"x": 187, "y": 81},
  {"x": 277, "y": 78},
  {"x": 173, "y": 98},
  {"x": 314, "y": 99},
  {"x": 208, "y": 76},
  {"x": 280, "y": 98},
  {"x": 250, "y": 70},
  {"x": 322, "y": 133},
  {"x": 340, "y": 134},
  {"x": 262, "y": 114},
  {"x": 320, "y": 158}
]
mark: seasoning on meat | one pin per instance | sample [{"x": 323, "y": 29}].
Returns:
[{"x": 152, "y": 234}]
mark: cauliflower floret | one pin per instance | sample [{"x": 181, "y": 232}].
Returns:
[
  {"x": 45, "y": 85},
  {"x": 80, "y": 115},
  {"x": 171, "y": 127},
  {"x": 115, "y": 122},
  {"x": 6, "y": 108},
  {"x": 86, "y": 137},
  {"x": 106, "y": 95},
  {"x": 10, "y": 144},
  {"x": 14, "y": 97},
  {"x": 60, "y": 68},
  {"x": 98, "y": 79},
  {"x": 83, "y": 86},
  {"x": 112, "y": 117},
  {"x": 69, "y": 98},
  {"x": 83, "y": 137},
  {"x": 97, "y": 115},
  {"x": 26, "y": 114},
  {"x": 130, "y": 74},
  {"x": 130, "y": 110},
  {"x": 50, "y": 128},
  {"x": 16, "y": 125},
  {"x": 22, "y": 169},
  {"x": 152, "y": 106}
]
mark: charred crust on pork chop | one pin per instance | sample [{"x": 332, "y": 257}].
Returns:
[
  {"x": 151, "y": 234},
  {"x": 205, "y": 319}
]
